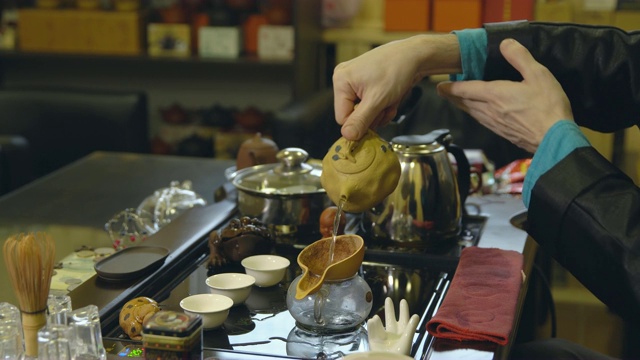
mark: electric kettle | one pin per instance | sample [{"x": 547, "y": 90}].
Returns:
[{"x": 426, "y": 206}]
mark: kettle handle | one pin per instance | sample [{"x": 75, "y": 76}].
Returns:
[{"x": 464, "y": 171}]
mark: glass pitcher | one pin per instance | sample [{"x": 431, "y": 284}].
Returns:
[{"x": 330, "y": 296}]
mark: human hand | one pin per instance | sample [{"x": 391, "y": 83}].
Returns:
[
  {"x": 397, "y": 337},
  {"x": 379, "y": 79},
  {"x": 521, "y": 112}
]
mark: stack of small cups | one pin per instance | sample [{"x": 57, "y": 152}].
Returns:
[{"x": 70, "y": 333}]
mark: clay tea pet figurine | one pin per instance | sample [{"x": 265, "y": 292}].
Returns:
[
  {"x": 134, "y": 313},
  {"x": 241, "y": 238}
]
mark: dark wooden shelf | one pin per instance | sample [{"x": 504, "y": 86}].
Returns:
[
  {"x": 26, "y": 67},
  {"x": 251, "y": 60},
  {"x": 95, "y": 66}
]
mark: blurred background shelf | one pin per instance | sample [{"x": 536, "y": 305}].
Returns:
[{"x": 252, "y": 60}]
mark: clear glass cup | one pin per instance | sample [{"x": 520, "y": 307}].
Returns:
[
  {"x": 10, "y": 317},
  {"x": 129, "y": 228},
  {"x": 11, "y": 342},
  {"x": 59, "y": 307},
  {"x": 55, "y": 341},
  {"x": 174, "y": 200},
  {"x": 85, "y": 322}
]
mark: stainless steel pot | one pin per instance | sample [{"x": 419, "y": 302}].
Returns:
[{"x": 286, "y": 196}]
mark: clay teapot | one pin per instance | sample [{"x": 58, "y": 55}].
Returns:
[
  {"x": 256, "y": 151},
  {"x": 361, "y": 173}
]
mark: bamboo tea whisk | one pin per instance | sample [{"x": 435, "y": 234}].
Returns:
[{"x": 30, "y": 260}]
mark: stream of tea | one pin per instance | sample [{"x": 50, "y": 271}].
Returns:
[{"x": 334, "y": 231}]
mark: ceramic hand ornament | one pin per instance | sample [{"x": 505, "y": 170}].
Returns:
[
  {"x": 397, "y": 337},
  {"x": 362, "y": 173}
]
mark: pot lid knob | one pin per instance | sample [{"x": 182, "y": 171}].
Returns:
[{"x": 292, "y": 160}]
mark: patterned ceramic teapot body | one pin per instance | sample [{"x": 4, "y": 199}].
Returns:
[{"x": 361, "y": 172}]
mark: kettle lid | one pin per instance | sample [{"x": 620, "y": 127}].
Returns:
[{"x": 435, "y": 141}]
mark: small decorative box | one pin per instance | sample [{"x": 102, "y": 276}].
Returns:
[
  {"x": 276, "y": 42},
  {"x": 172, "y": 335},
  {"x": 220, "y": 41},
  {"x": 169, "y": 40}
]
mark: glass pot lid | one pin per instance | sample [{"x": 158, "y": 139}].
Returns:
[{"x": 291, "y": 175}]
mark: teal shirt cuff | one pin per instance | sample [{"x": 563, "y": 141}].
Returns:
[
  {"x": 561, "y": 139},
  {"x": 473, "y": 54}
]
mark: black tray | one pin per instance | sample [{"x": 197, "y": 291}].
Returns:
[
  {"x": 131, "y": 263},
  {"x": 263, "y": 328}
]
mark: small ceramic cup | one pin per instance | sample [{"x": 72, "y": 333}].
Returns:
[
  {"x": 268, "y": 270},
  {"x": 236, "y": 286},
  {"x": 213, "y": 308}
]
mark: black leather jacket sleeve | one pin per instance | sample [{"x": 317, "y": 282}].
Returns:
[
  {"x": 597, "y": 66},
  {"x": 585, "y": 212}
]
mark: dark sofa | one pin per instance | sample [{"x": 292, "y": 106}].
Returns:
[{"x": 43, "y": 129}]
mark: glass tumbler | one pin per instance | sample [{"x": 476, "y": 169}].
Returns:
[
  {"x": 175, "y": 200},
  {"x": 10, "y": 320},
  {"x": 11, "y": 342},
  {"x": 129, "y": 228},
  {"x": 85, "y": 322},
  {"x": 59, "y": 307},
  {"x": 55, "y": 341}
]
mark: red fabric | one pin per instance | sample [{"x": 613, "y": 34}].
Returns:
[{"x": 481, "y": 301}]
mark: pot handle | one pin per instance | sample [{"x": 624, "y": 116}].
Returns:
[{"x": 464, "y": 171}]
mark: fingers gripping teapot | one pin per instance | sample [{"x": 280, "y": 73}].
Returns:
[{"x": 427, "y": 204}]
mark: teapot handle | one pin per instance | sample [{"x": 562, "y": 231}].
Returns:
[{"x": 464, "y": 171}]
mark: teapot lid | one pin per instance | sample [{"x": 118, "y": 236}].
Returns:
[{"x": 290, "y": 176}]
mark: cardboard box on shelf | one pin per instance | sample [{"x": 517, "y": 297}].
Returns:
[
  {"x": 407, "y": 15},
  {"x": 370, "y": 14},
  {"x": 627, "y": 20},
  {"x": 79, "y": 31},
  {"x": 599, "y": 5},
  {"x": 593, "y": 17},
  {"x": 172, "y": 40},
  {"x": 276, "y": 42},
  {"x": 449, "y": 15},
  {"x": 507, "y": 10},
  {"x": 554, "y": 11},
  {"x": 220, "y": 41}
]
